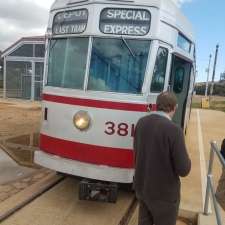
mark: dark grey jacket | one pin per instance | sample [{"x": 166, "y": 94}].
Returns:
[{"x": 160, "y": 159}]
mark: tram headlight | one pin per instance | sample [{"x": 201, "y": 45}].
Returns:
[{"x": 82, "y": 120}]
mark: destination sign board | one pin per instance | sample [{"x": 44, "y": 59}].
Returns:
[
  {"x": 70, "y": 22},
  {"x": 125, "y": 21}
]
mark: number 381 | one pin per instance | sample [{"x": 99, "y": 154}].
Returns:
[{"x": 121, "y": 129}]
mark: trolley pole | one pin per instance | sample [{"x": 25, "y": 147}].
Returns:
[
  {"x": 214, "y": 70},
  {"x": 208, "y": 71}
]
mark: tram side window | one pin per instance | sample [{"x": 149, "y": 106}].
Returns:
[
  {"x": 183, "y": 43},
  {"x": 159, "y": 72},
  {"x": 67, "y": 62},
  {"x": 179, "y": 80}
]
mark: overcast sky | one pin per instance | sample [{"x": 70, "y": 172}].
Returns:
[{"x": 19, "y": 18}]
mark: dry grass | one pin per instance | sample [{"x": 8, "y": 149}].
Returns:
[
  {"x": 19, "y": 127},
  {"x": 216, "y": 102}
]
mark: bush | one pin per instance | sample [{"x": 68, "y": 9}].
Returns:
[{"x": 219, "y": 89}]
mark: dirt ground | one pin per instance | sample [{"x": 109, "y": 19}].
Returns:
[
  {"x": 19, "y": 118},
  {"x": 19, "y": 129}
]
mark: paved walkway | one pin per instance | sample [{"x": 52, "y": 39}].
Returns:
[
  {"x": 191, "y": 192},
  {"x": 213, "y": 127},
  {"x": 15, "y": 178},
  {"x": 204, "y": 126},
  {"x": 10, "y": 170}
]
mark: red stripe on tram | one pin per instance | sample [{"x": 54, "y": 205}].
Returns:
[
  {"x": 114, "y": 157},
  {"x": 97, "y": 103}
]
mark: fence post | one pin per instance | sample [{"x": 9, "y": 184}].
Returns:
[
  {"x": 4, "y": 77},
  {"x": 210, "y": 189},
  {"x": 206, "y": 207},
  {"x": 218, "y": 217}
]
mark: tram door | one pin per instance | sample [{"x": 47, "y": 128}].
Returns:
[{"x": 179, "y": 83}]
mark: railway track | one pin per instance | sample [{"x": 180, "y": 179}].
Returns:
[
  {"x": 23, "y": 198},
  {"x": 55, "y": 201}
]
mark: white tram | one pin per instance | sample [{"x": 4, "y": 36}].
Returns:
[{"x": 106, "y": 62}]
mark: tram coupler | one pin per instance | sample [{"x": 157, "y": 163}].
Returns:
[{"x": 98, "y": 191}]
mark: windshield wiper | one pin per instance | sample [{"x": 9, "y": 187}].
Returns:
[{"x": 128, "y": 47}]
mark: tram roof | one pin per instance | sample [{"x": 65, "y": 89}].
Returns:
[{"x": 170, "y": 12}]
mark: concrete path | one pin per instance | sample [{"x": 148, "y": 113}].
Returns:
[
  {"x": 213, "y": 127},
  {"x": 10, "y": 170},
  {"x": 60, "y": 206},
  {"x": 204, "y": 126},
  {"x": 191, "y": 191}
]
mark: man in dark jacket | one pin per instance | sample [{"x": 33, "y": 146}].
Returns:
[{"x": 160, "y": 159}]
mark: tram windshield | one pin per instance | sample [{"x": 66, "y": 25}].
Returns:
[
  {"x": 67, "y": 62},
  {"x": 117, "y": 64}
]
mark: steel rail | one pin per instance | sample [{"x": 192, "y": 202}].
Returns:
[{"x": 53, "y": 180}]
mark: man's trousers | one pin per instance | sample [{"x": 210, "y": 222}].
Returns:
[{"x": 158, "y": 213}]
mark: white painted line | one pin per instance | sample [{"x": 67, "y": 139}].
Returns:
[{"x": 202, "y": 161}]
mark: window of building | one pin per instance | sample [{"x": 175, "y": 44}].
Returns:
[
  {"x": 18, "y": 79},
  {"x": 40, "y": 50},
  {"x": 25, "y": 50},
  {"x": 159, "y": 73}
]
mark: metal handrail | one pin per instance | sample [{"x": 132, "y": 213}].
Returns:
[{"x": 210, "y": 189}]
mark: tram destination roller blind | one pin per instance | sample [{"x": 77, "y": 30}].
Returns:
[
  {"x": 123, "y": 21},
  {"x": 70, "y": 22}
]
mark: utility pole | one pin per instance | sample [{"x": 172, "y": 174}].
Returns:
[
  {"x": 214, "y": 70},
  {"x": 208, "y": 71}
]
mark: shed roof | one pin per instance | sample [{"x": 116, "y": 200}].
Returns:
[{"x": 23, "y": 39}]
